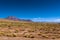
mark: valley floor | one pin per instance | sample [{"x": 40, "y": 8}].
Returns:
[
  {"x": 21, "y": 38},
  {"x": 15, "y": 30}
]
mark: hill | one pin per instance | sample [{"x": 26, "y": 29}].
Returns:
[
  {"x": 17, "y": 19},
  {"x": 11, "y": 28}
]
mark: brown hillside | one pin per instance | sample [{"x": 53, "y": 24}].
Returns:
[{"x": 10, "y": 28}]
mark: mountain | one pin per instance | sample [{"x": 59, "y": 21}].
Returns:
[
  {"x": 17, "y": 19},
  {"x": 12, "y": 18}
]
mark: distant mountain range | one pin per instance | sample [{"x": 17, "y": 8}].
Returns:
[{"x": 17, "y": 19}]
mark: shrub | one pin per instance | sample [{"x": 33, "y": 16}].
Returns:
[{"x": 28, "y": 36}]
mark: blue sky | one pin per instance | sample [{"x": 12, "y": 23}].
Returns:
[{"x": 31, "y": 9}]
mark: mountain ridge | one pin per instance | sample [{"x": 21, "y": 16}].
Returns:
[{"x": 17, "y": 19}]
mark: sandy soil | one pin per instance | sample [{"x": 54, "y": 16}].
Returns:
[{"x": 21, "y": 38}]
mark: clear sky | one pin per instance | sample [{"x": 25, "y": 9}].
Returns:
[{"x": 30, "y": 8}]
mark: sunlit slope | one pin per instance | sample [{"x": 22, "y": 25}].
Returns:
[{"x": 10, "y": 28}]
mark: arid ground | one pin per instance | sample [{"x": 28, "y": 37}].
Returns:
[{"x": 23, "y": 30}]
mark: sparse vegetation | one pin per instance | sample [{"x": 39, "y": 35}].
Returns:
[{"x": 29, "y": 29}]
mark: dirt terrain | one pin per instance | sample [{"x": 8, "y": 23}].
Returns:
[
  {"x": 21, "y": 38},
  {"x": 21, "y": 30}
]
